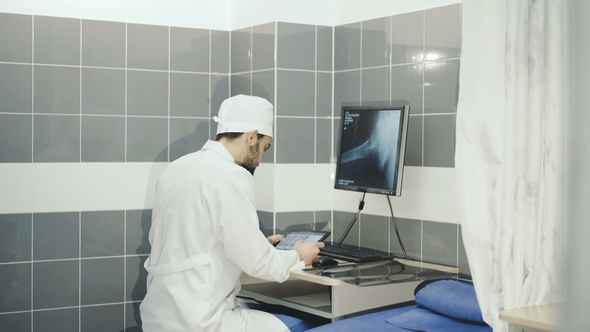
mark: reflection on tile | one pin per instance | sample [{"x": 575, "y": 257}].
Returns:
[
  {"x": 240, "y": 51},
  {"x": 187, "y": 136},
  {"x": 323, "y": 221},
  {"x": 189, "y": 94},
  {"x": 16, "y": 88},
  {"x": 103, "y": 139},
  {"x": 56, "y": 138},
  {"x": 102, "y": 318},
  {"x": 407, "y": 44},
  {"x": 410, "y": 231},
  {"x": 15, "y": 281},
  {"x": 220, "y": 47},
  {"x": 294, "y": 143},
  {"x": 376, "y": 36},
  {"x": 241, "y": 84},
  {"x": 294, "y": 221},
  {"x": 347, "y": 90},
  {"x": 147, "y": 140},
  {"x": 63, "y": 320},
  {"x": 442, "y": 35},
  {"x": 132, "y": 317},
  {"x": 102, "y": 233},
  {"x": 324, "y": 48},
  {"x": 103, "y": 44},
  {"x": 103, "y": 91},
  {"x": 137, "y": 229},
  {"x": 374, "y": 232},
  {"x": 375, "y": 87},
  {"x": 295, "y": 93},
  {"x": 16, "y": 38},
  {"x": 323, "y": 149},
  {"x": 265, "y": 222},
  {"x": 57, "y": 90},
  {"x": 147, "y": 46},
  {"x": 414, "y": 143},
  {"x": 439, "y": 140},
  {"x": 296, "y": 46},
  {"x": 57, "y": 40},
  {"x": 406, "y": 86},
  {"x": 347, "y": 46},
  {"x": 147, "y": 93},
  {"x": 136, "y": 277},
  {"x": 337, "y": 133},
  {"x": 339, "y": 225},
  {"x": 16, "y": 322},
  {"x": 440, "y": 243},
  {"x": 263, "y": 85},
  {"x": 323, "y": 94},
  {"x": 16, "y": 235},
  {"x": 441, "y": 86},
  {"x": 462, "y": 259},
  {"x": 102, "y": 281},
  {"x": 56, "y": 235},
  {"x": 189, "y": 49},
  {"x": 55, "y": 284},
  {"x": 16, "y": 138},
  {"x": 263, "y": 46},
  {"x": 219, "y": 92}
]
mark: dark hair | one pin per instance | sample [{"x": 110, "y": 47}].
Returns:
[{"x": 232, "y": 136}]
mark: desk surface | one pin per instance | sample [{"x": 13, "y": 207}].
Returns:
[{"x": 544, "y": 317}]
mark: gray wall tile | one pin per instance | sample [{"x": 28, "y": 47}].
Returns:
[
  {"x": 102, "y": 233},
  {"x": 439, "y": 140},
  {"x": 462, "y": 259},
  {"x": 441, "y": 86},
  {"x": 135, "y": 278},
  {"x": 55, "y": 284},
  {"x": 56, "y": 138},
  {"x": 323, "y": 94},
  {"x": 323, "y": 143},
  {"x": 347, "y": 46},
  {"x": 102, "y": 318},
  {"x": 57, "y": 90},
  {"x": 442, "y": 35},
  {"x": 375, "y": 86},
  {"x": 187, "y": 136},
  {"x": 265, "y": 222},
  {"x": 103, "y": 139},
  {"x": 57, "y": 40},
  {"x": 147, "y": 93},
  {"x": 263, "y": 85},
  {"x": 15, "y": 280},
  {"x": 102, "y": 280},
  {"x": 374, "y": 232},
  {"x": 213, "y": 133},
  {"x": 376, "y": 39},
  {"x": 406, "y": 86},
  {"x": 294, "y": 221},
  {"x": 241, "y": 84},
  {"x": 337, "y": 133},
  {"x": 16, "y": 38},
  {"x": 20, "y": 322},
  {"x": 189, "y": 94},
  {"x": 269, "y": 156},
  {"x": 189, "y": 49},
  {"x": 407, "y": 35},
  {"x": 414, "y": 143},
  {"x": 132, "y": 316},
  {"x": 147, "y": 46},
  {"x": 296, "y": 46},
  {"x": 103, "y": 44},
  {"x": 323, "y": 221},
  {"x": 347, "y": 90},
  {"x": 56, "y": 235},
  {"x": 220, "y": 51},
  {"x": 263, "y": 46},
  {"x": 16, "y": 88},
  {"x": 339, "y": 225},
  {"x": 65, "y": 320},
  {"x": 103, "y": 91},
  {"x": 147, "y": 140},
  {"x": 219, "y": 92},
  {"x": 137, "y": 227},
  {"x": 440, "y": 243},
  {"x": 324, "y": 48},
  {"x": 241, "y": 50},
  {"x": 410, "y": 231},
  {"x": 295, "y": 93},
  {"x": 16, "y": 233},
  {"x": 16, "y": 142},
  {"x": 294, "y": 143}
]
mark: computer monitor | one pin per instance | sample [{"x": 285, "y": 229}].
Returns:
[{"x": 372, "y": 149}]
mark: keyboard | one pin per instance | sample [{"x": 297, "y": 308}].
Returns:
[{"x": 352, "y": 255}]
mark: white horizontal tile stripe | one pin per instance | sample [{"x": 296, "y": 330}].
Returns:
[
  {"x": 264, "y": 181},
  {"x": 440, "y": 195},
  {"x": 102, "y": 186},
  {"x": 323, "y": 187},
  {"x": 56, "y": 187},
  {"x": 16, "y": 188},
  {"x": 140, "y": 184},
  {"x": 295, "y": 187}
]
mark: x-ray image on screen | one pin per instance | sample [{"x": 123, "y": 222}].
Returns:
[{"x": 371, "y": 140}]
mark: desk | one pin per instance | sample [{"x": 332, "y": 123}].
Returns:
[
  {"x": 333, "y": 298},
  {"x": 533, "y": 319}
]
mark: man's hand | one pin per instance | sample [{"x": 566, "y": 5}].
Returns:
[
  {"x": 308, "y": 251},
  {"x": 274, "y": 239}
]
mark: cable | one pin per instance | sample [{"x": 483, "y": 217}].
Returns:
[
  {"x": 361, "y": 205},
  {"x": 395, "y": 227}
]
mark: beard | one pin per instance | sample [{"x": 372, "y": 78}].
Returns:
[{"x": 251, "y": 160}]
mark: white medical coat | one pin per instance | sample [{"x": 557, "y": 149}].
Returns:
[{"x": 204, "y": 234}]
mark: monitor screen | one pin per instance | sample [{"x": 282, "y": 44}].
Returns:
[{"x": 372, "y": 149}]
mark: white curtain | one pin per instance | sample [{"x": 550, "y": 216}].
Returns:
[{"x": 511, "y": 150}]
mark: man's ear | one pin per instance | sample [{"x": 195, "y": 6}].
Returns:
[{"x": 251, "y": 137}]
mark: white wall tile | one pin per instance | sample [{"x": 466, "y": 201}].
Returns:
[
  {"x": 140, "y": 184},
  {"x": 440, "y": 195},
  {"x": 264, "y": 181},
  {"x": 295, "y": 187},
  {"x": 102, "y": 186},
  {"x": 16, "y": 195},
  {"x": 56, "y": 187}
]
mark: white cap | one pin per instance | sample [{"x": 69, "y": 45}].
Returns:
[{"x": 242, "y": 114}]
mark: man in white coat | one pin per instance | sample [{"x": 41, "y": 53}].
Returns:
[{"x": 205, "y": 231}]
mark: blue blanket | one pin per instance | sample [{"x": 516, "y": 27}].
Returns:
[{"x": 422, "y": 319}]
